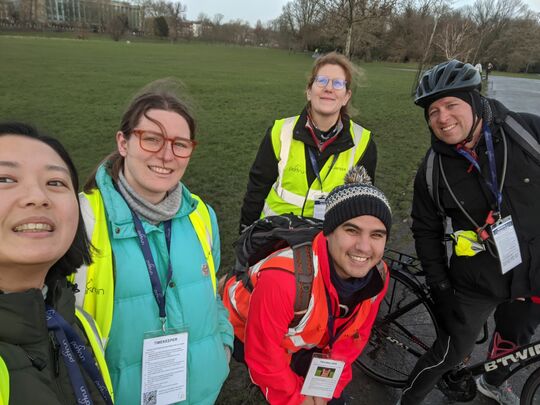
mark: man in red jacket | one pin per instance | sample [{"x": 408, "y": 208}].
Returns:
[{"x": 310, "y": 362}]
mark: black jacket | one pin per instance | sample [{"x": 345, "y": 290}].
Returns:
[
  {"x": 481, "y": 274},
  {"x": 264, "y": 171},
  {"x": 37, "y": 371}
]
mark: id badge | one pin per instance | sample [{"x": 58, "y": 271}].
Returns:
[
  {"x": 164, "y": 367},
  {"x": 504, "y": 235},
  {"x": 322, "y": 377},
  {"x": 319, "y": 208}
]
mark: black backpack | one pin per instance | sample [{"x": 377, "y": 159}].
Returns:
[{"x": 267, "y": 235}]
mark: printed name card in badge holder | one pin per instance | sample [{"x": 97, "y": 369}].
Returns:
[
  {"x": 164, "y": 367},
  {"x": 504, "y": 235},
  {"x": 322, "y": 377},
  {"x": 319, "y": 208}
]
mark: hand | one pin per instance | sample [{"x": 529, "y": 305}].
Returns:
[{"x": 314, "y": 401}]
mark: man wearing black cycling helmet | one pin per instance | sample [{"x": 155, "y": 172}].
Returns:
[{"x": 483, "y": 173}]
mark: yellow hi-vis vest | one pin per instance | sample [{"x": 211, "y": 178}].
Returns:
[
  {"x": 98, "y": 298},
  {"x": 4, "y": 383},
  {"x": 91, "y": 330},
  {"x": 291, "y": 191}
]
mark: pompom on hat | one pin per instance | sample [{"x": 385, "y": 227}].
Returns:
[{"x": 357, "y": 197}]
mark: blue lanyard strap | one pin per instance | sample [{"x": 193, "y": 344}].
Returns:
[
  {"x": 72, "y": 346},
  {"x": 469, "y": 156},
  {"x": 492, "y": 181},
  {"x": 151, "y": 264},
  {"x": 315, "y": 166},
  {"x": 493, "y": 184}
]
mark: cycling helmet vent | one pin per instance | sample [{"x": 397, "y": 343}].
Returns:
[{"x": 445, "y": 78}]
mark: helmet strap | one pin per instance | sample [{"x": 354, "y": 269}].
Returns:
[{"x": 476, "y": 122}]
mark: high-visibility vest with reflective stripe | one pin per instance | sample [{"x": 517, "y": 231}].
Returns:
[
  {"x": 93, "y": 335},
  {"x": 97, "y": 280},
  {"x": 92, "y": 332},
  {"x": 311, "y": 329},
  {"x": 289, "y": 192},
  {"x": 4, "y": 383}
]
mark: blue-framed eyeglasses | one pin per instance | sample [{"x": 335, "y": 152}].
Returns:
[{"x": 337, "y": 84}]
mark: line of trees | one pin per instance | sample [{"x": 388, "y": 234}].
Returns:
[{"x": 503, "y": 32}]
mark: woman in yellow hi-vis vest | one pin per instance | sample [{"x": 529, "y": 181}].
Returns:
[
  {"x": 302, "y": 158},
  {"x": 152, "y": 286},
  {"x": 50, "y": 352}
]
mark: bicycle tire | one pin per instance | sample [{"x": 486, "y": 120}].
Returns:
[
  {"x": 396, "y": 344},
  {"x": 530, "y": 394}
]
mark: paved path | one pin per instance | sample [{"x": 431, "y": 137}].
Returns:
[{"x": 522, "y": 95}]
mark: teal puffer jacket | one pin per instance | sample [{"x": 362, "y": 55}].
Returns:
[{"x": 190, "y": 301}]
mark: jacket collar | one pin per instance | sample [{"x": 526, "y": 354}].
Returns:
[
  {"x": 343, "y": 142},
  {"x": 118, "y": 212},
  {"x": 22, "y": 315}
]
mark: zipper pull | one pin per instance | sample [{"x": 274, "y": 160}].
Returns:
[{"x": 55, "y": 353}]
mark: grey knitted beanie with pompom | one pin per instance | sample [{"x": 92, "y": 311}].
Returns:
[{"x": 358, "y": 196}]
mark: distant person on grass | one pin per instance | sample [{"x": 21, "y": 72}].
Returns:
[
  {"x": 485, "y": 176},
  {"x": 158, "y": 249},
  {"x": 302, "y": 158},
  {"x": 350, "y": 280}
]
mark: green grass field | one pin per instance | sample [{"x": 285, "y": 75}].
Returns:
[{"x": 77, "y": 91}]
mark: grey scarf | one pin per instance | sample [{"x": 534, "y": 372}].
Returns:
[{"x": 152, "y": 213}]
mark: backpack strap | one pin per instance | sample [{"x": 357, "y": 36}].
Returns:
[
  {"x": 433, "y": 170},
  {"x": 303, "y": 273},
  {"x": 432, "y": 179},
  {"x": 523, "y": 138}
]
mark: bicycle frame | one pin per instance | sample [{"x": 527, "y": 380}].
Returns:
[
  {"x": 522, "y": 356},
  {"x": 391, "y": 330}
]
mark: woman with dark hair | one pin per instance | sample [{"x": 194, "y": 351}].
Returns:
[
  {"x": 302, "y": 158},
  {"x": 44, "y": 341},
  {"x": 159, "y": 252}
]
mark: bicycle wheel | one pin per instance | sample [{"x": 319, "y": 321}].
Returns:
[
  {"x": 530, "y": 395},
  {"x": 404, "y": 330}
]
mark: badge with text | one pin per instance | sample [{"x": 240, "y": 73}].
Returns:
[
  {"x": 319, "y": 208},
  {"x": 322, "y": 377},
  {"x": 164, "y": 369},
  {"x": 504, "y": 235}
]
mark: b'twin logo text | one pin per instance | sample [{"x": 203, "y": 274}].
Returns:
[{"x": 515, "y": 357}]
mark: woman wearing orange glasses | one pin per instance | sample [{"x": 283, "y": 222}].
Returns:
[
  {"x": 302, "y": 158},
  {"x": 152, "y": 286}
]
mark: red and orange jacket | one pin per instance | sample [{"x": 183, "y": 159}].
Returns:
[{"x": 261, "y": 321}]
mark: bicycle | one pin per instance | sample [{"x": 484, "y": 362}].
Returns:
[{"x": 406, "y": 328}]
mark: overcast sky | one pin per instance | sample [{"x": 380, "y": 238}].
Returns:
[
  {"x": 248, "y": 10},
  {"x": 264, "y": 10}
]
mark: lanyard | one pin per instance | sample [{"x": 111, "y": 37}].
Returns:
[
  {"x": 151, "y": 264},
  {"x": 493, "y": 184},
  {"x": 71, "y": 345},
  {"x": 492, "y": 181},
  {"x": 315, "y": 166}
]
